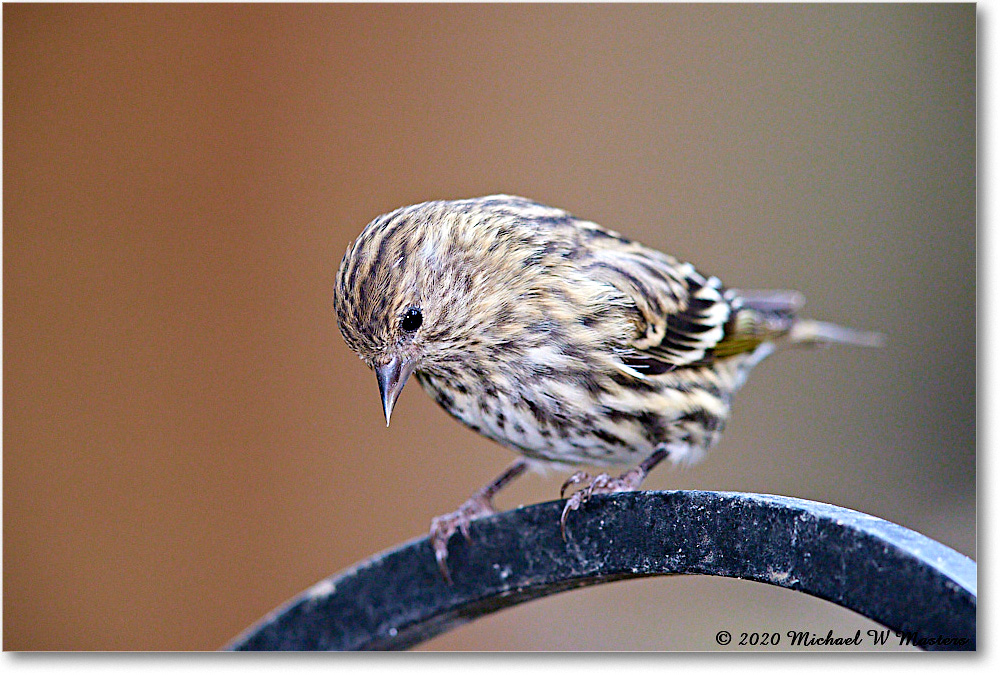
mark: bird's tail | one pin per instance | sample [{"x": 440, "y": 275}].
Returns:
[
  {"x": 778, "y": 311},
  {"x": 820, "y": 333}
]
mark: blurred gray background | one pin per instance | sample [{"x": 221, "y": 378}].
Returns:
[{"x": 187, "y": 440}]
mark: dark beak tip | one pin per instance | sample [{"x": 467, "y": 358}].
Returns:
[{"x": 391, "y": 378}]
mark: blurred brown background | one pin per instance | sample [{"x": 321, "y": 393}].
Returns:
[{"x": 187, "y": 440}]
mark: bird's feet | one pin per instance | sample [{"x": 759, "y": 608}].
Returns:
[
  {"x": 601, "y": 484},
  {"x": 442, "y": 527}
]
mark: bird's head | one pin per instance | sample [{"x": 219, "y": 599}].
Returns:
[{"x": 429, "y": 285}]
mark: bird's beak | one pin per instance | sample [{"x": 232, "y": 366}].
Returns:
[{"x": 391, "y": 378}]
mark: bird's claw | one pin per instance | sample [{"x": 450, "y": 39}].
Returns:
[
  {"x": 601, "y": 484},
  {"x": 443, "y": 526},
  {"x": 572, "y": 504},
  {"x": 578, "y": 477},
  {"x": 579, "y": 498}
]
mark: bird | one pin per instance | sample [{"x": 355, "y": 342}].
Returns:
[{"x": 557, "y": 338}]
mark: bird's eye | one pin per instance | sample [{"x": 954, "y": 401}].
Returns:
[{"x": 412, "y": 319}]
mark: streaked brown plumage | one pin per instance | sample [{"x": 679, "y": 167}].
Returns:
[{"x": 557, "y": 338}]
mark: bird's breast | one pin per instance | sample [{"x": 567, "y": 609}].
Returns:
[{"x": 546, "y": 419}]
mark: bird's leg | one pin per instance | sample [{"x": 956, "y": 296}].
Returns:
[
  {"x": 605, "y": 484},
  {"x": 477, "y": 506}
]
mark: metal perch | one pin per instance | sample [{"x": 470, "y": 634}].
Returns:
[{"x": 892, "y": 575}]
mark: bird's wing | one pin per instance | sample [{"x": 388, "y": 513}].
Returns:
[{"x": 684, "y": 317}]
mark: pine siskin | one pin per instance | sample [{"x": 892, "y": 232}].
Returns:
[{"x": 557, "y": 338}]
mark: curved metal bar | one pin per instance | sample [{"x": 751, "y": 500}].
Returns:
[{"x": 892, "y": 575}]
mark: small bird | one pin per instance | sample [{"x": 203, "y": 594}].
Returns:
[{"x": 557, "y": 338}]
